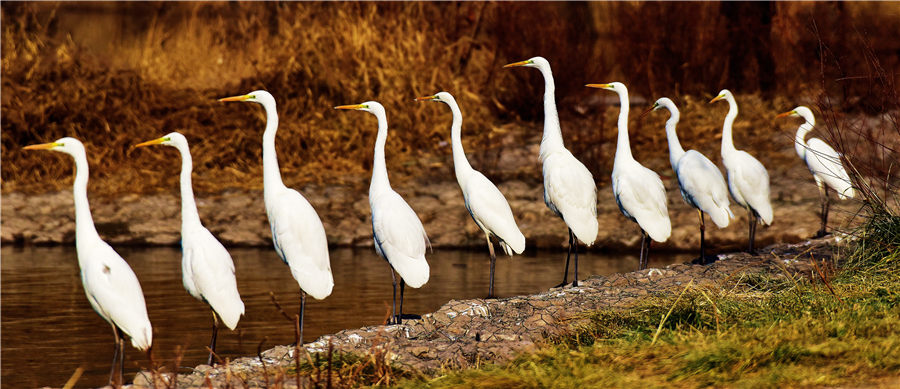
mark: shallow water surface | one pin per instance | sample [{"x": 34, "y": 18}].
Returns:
[{"x": 49, "y": 328}]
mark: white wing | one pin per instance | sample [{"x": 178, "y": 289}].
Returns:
[
  {"x": 115, "y": 293},
  {"x": 211, "y": 272},
  {"x": 825, "y": 163},
  {"x": 491, "y": 211},
  {"x": 400, "y": 237},
  {"x": 748, "y": 182},
  {"x": 642, "y": 196},
  {"x": 703, "y": 187},
  {"x": 570, "y": 191},
  {"x": 299, "y": 239}
]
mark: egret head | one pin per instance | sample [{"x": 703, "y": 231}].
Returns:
[
  {"x": 173, "y": 139},
  {"x": 372, "y": 107},
  {"x": 803, "y": 111},
  {"x": 663, "y": 102},
  {"x": 257, "y": 96},
  {"x": 617, "y": 87},
  {"x": 66, "y": 145},
  {"x": 441, "y": 97},
  {"x": 723, "y": 94},
  {"x": 534, "y": 62}
]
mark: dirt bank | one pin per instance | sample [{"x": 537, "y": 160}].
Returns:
[{"x": 463, "y": 333}]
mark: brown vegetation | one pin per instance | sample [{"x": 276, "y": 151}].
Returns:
[{"x": 113, "y": 74}]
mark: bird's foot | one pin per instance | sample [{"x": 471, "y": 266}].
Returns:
[
  {"x": 821, "y": 234},
  {"x": 562, "y": 284},
  {"x": 705, "y": 260},
  {"x": 398, "y": 319}
]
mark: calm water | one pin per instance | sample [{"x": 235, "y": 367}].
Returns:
[{"x": 49, "y": 329}]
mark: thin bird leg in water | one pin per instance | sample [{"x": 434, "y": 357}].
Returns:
[
  {"x": 302, "y": 311},
  {"x": 566, "y": 273},
  {"x": 112, "y": 370},
  {"x": 394, "y": 303},
  {"x": 702, "y": 231},
  {"x": 212, "y": 342},
  {"x": 400, "y": 312},
  {"x": 493, "y": 261}
]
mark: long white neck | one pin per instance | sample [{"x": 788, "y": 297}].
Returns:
[
  {"x": 800, "y": 138},
  {"x": 675, "y": 149},
  {"x": 623, "y": 145},
  {"x": 727, "y": 141},
  {"x": 85, "y": 232},
  {"x": 271, "y": 173},
  {"x": 189, "y": 215},
  {"x": 552, "y": 140},
  {"x": 460, "y": 164},
  {"x": 380, "y": 180}
]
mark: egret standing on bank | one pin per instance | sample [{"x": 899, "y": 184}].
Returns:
[
  {"x": 109, "y": 283},
  {"x": 748, "y": 180},
  {"x": 297, "y": 231},
  {"x": 569, "y": 188},
  {"x": 639, "y": 191},
  {"x": 487, "y": 206},
  {"x": 207, "y": 270},
  {"x": 398, "y": 233},
  {"x": 701, "y": 182},
  {"x": 823, "y": 162}
]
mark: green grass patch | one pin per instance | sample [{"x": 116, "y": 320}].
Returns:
[{"x": 764, "y": 333}]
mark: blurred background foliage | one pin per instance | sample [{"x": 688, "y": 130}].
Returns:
[{"x": 114, "y": 74}]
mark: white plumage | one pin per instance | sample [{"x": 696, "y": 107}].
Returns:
[
  {"x": 748, "y": 180},
  {"x": 639, "y": 191},
  {"x": 109, "y": 283},
  {"x": 487, "y": 206},
  {"x": 569, "y": 188},
  {"x": 398, "y": 233}
]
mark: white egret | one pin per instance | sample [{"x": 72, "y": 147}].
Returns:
[
  {"x": 823, "y": 162},
  {"x": 569, "y": 188},
  {"x": 398, "y": 233},
  {"x": 109, "y": 283},
  {"x": 297, "y": 231},
  {"x": 639, "y": 191},
  {"x": 207, "y": 270},
  {"x": 487, "y": 206},
  {"x": 748, "y": 180},
  {"x": 702, "y": 184}
]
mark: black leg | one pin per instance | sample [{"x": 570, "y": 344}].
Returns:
[
  {"x": 493, "y": 261},
  {"x": 702, "y": 238},
  {"x": 302, "y": 311},
  {"x": 400, "y": 312},
  {"x": 121, "y": 356},
  {"x": 112, "y": 370},
  {"x": 645, "y": 247},
  {"x": 394, "y": 303},
  {"x": 575, "y": 248},
  {"x": 753, "y": 221},
  {"x": 825, "y": 205},
  {"x": 569, "y": 254},
  {"x": 212, "y": 342}
]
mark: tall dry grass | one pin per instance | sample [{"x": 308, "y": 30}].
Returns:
[{"x": 114, "y": 74}]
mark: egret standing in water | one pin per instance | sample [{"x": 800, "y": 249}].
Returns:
[
  {"x": 823, "y": 162},
  {"x": 639, "y": 191},
  {"x": 207, "y": 270},
  {"x": 748, "y": 180},
  {"x": 109, "y": 283},
  {"x": 487, "y": 206},
  {"x": 701, "y": 182},
  {"x": 398, "y": 233},
  {"x": 297, "y": 231},
  {"x": 569, "y": 188}
]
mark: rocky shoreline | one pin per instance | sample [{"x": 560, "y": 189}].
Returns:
[{"x": 465, "y": 333}]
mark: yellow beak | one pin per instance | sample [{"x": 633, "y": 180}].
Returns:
[
  {"x": 520, "y": 63},
  {"x": 235, "y": 98},
  {"x": 784, "y": 114},
  {"x": 602, "y": 86},
  {"x": 353, "y": 106},
  {"x": 426, "y": 98},
  {"x": 717, "y": 98},
  {"x": 149, "y": 143},
  {"x": 42, "y": 146}
]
